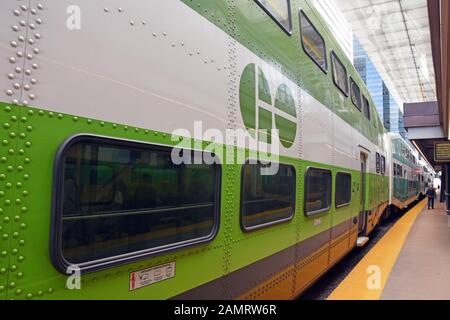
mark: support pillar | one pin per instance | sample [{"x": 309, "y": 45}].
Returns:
[{"x": 443, "y": 184}]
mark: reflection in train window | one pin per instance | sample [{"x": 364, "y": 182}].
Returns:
[
  {"x": 340, "y": 77},
  {"x": 399, "y": 171},
  {"x": 280, "y": 11},
  {"x": 366, "y": 108},
  {"x": 266, "y": 198},
  {"x": 343, "y": 189},
  {"x": 312, "y": 42},
  {"x": 121, "y": 198},
  {"x": 355, "y": 94},
  {"x": 377, "y": 162},
  {"x": 383, "y": 165},
  {"x": 317, "y": 191}
]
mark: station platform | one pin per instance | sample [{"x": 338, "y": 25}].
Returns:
[{"x": 411, "y": 261}]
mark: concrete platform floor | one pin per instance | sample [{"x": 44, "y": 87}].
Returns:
[
  {"x": 422, "y": 270},
  {"x": 410, "y": 262}
]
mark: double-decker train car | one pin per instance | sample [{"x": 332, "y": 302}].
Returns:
[
  {"x": 411, "y": 176},
  {"x": 427, "y": 176},
  {"x": 94, "y": 98}
]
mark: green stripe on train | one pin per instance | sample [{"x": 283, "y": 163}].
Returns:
[{"x": 31, "y": 138}]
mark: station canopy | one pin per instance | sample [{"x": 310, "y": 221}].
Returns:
[{"x": 396, "y": 36}]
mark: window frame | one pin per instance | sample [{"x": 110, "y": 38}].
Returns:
[
  {"x": 351, "y": 83},
  {"x": 382, "y": 164},
  {"x": 300, "y": 12},
  {"x": 377, "y": 162},
  {"x": 320, "y": 211},
  {"x": 56, "y": 253},
  {"x": 368, "y": 116},
  {"x": 288, "y": 32},
  {"x": 334, "y": 57},
  {"x": 272, "y": 223},
  {"x": 335, "y": 191}
]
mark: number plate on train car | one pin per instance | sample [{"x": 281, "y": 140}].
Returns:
[{"x": 146, "y": 277}]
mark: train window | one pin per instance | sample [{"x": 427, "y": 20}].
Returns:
[
  {"x": 343, "y": 189},
  {"x": 340, "y": 77},
  {"x": 366, "y": 108},
  {"x": 355, "y": 94},
  {"x": 266, "y": 199},
  {"x": 279, "y": 11},
  {"x": 318, "y": 190},
  {"x": 116, "y": 201},
  {"x": 313, "y": 43},
  {"x": 377, "y": 156},
  {"x": 383, "y": 165}
]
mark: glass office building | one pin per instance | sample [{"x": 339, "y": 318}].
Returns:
[{"x": 387, "y": 107}]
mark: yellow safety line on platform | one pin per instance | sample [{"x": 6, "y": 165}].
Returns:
[{"x": 368, "y": 279}]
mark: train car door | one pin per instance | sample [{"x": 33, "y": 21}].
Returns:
[
  {"x": 362, "y": 219},
  {"x": 362, "y": 191}
]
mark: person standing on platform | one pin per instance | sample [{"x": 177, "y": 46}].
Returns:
[{"x": 431, "y": 194}]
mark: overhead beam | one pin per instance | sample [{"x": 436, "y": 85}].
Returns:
[
  {"x": 445, "y": 16},
  {"x": 422, "y": 114},
  {"x": 439, "y": 13}
]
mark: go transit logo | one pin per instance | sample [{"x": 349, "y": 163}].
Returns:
[
  {"x": 261, "y": 113},
  {"x": 270, "y": 121}
]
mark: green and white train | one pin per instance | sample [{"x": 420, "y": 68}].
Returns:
[{"x": 91, "y": 92}]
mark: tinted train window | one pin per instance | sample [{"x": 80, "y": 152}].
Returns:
[
  {"x": 317, "y": 191},
  {"x": 383, "y": 165},
  {"x": 377, "y": 158},
  {"x": 266, "y": 199},
  {"x": 312, "y": 42},
  {"x": 366, "y": 108},
  {"x": 340, "y": 77},
  {"x": 355, "y": 94},
  {"x": 343, "y": 189},
  {"x": 280, "y": 11},
  {"x": 119, "y": 198}
]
